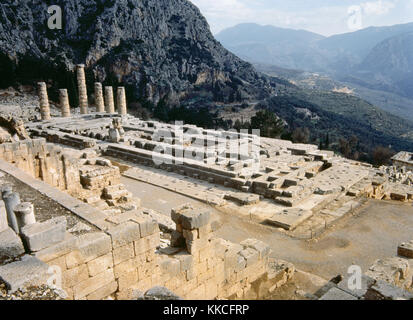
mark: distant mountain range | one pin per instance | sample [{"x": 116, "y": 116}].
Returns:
[{"x": 375, "y": 58}]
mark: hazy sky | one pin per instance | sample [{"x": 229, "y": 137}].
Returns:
[{"x": 325, "y": 17}]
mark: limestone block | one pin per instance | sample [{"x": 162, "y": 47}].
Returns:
[
  {"x": 406, "y": 250},
  {"x": 28, "y": 271},
  {"x": 186, "y": 260},
  {"x": 219, "y": 271},
  {"x": 100, "y": 264},
  {"x": 366, "y": 283},
  {"x": 10, "y": 244},
  {"x": 58, "y": 250},
  {"x": 124, "y": 233},
  {"x": 220, "y": 246},
  {"x": 125, "y": 267},
  {"x": 241, "y": 263},
  {"x": 39, "y": 236},
  {"x": 383, "y": 290},
  {"x": 58, "y": 262},
  {"x": 90, "y": 285},
  {"x": 196, "y": 245},
  {"x": 128, "y": 280},
  {"x": 198, "y": 293},
  {"x": 141, "y": 246},
  {"x": 201, "y": 267},
  {"x": 392, "y": 270},
  {"x": 204, "y": 232},
  {"x": 190, "y": 218},
  {"x": 153, "y": 241},
  {"x": 262, "y": 248},
  {"x": 144, "y": 284},
  {"x": 74, "y": 276},
  {"x": 211, "y": 290},
  {"x": 147, "y": 226},
  {"x": 205, "y": 253},
  {"x": 170, "y": 266},
  {"x": 124, "y": 253},
  {"x": 190, "y": 274},
  {"x": 104, "y": 291},
  {"x": 89, "y": 246}
]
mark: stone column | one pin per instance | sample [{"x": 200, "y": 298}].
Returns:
[
  {"x": 109, "y": 103},
  {"x": 81, "y": 85},
  {"x": 99, "y": 102},
  {"x": 3, "y": 217},
  {"x": 6, "y": 189},
  {"x": 25, "y": 214},
  {"x": 11, "y": 200},
  {"x": 44, "y": 101},
  {"x": 121, "y": 101},
  {"x": 64, "y": 103}
]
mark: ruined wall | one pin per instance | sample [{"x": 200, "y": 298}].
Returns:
[
  {"x": 43, "y": 161},
  {"x": 125, "y": 257}
]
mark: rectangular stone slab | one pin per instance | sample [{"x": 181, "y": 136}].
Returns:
[
  {"x": 41, "y": 235},
  {"x": 28, "y": 271},
  {"x": 289, "y": 219},
  {"x": 10, "y": 244}
]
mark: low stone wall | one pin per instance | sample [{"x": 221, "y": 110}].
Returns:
[{"x": 125, "y": 258}]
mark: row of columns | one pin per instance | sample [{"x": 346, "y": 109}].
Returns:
[{"x": 102, "y": 104}]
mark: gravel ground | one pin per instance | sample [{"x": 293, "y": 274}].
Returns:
[{"x": 31, "y": 293}]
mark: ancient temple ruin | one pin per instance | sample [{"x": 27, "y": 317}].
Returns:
[{"x": 102, "y": 242}]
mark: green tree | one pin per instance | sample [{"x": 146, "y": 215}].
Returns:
[{"x": 268, "y": 123}]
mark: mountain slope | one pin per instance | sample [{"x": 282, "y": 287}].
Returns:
[
  {"x": 391, "y": 63},
  {"x": 373, "y": 59},
  {"x": 268, "y": 44},
  {"x": 161, "y": 49},
  {"x": 163, "y": 52}
]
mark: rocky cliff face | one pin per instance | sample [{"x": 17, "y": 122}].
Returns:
[{"x": 159, "y": 49}]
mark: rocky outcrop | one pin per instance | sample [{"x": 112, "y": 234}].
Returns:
[{"x": 159, "y": 49}]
